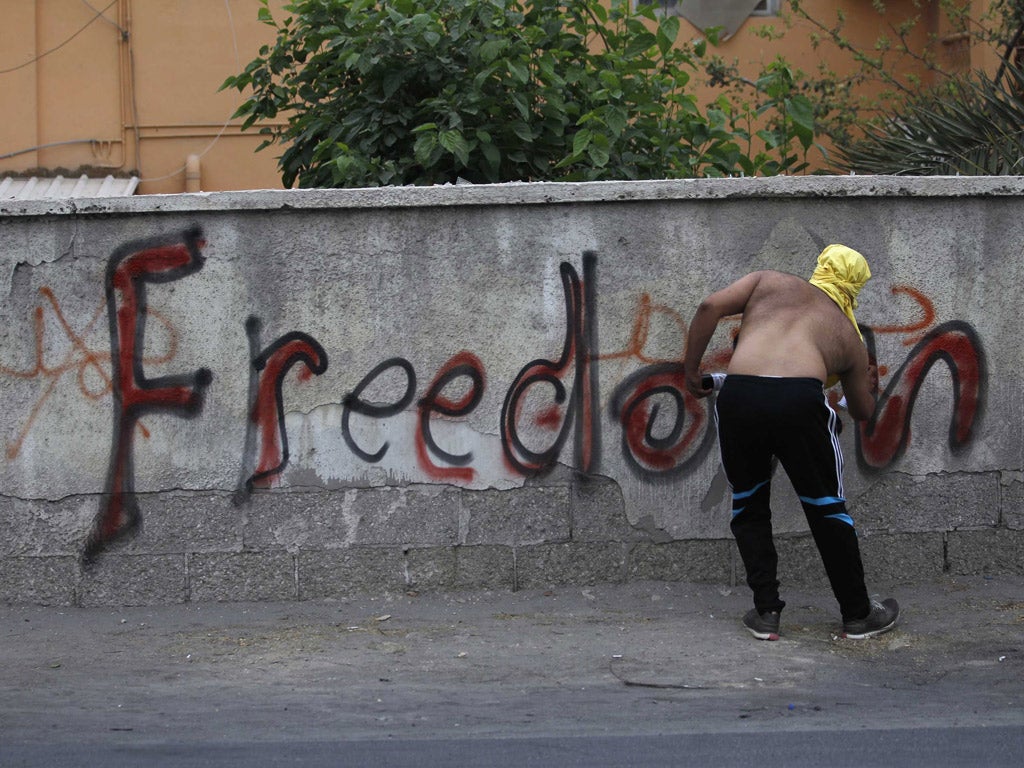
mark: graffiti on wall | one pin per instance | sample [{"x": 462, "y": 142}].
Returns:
[
  {"x": 579, "y": 412},
  {"x": 129, "y": 270},
  {"x": 266, "y": 440},
  {"x": 884, "y": 438},
  {"x": 88, "y": 365},
  {"x": 551, "y": 412}
]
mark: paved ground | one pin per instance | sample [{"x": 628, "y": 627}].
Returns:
[{"x": 638, "y": 659}]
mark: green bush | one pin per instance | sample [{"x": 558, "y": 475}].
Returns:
[{"x": 432, "y": 91}]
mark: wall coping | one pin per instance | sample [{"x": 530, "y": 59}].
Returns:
[{"x": 528, "y": 193}]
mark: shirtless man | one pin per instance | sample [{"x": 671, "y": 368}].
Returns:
[{"x": 795, "y": 335}]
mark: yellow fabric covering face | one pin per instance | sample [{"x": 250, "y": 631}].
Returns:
[{"x": 841, "y": 273}]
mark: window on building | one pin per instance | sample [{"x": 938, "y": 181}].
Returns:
[
  {"x": 726, "y": 15},
  {"x": 679, "y": 7},
  {"x": 766, "y": 8}
]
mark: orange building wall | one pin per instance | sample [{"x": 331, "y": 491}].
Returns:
[
  {"x": 862, "y": 28},
  {"x": 142, "y": 80},
  {"x": 18, "y": 103}
]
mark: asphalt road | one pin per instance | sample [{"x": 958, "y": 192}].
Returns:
[
  {"x": 924, "y": 747},
  {"x": 638, "y": 674}
]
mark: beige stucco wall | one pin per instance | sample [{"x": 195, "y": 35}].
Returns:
[{"x": 142, "y": 80}]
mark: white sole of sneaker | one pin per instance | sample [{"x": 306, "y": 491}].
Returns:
[
  {"x": 763, "y": 635},
  {"x": 872, "y": 633}
]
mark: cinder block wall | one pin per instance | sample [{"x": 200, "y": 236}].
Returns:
[{"x": 310, "y": 394}]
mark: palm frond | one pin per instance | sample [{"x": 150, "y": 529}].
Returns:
[{"x": 972, "y": 125}]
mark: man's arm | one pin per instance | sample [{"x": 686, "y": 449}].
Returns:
[
  {"x": 730, "y": 300},
  {"x": 860, "y": 383}
]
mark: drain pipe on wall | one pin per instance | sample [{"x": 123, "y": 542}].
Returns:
[
  {"x": 126, "y": 71},
  {"x": 193, "y": 174}
]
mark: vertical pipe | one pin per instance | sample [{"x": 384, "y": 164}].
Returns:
[
  {"x": 122, "y": 77},
  {"x": 38, "y": 84},
  {"x": 131, "y": 117},
  {"x": 193, "y": 174}
]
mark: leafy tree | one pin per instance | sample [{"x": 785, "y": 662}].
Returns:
[
  {"x": 773, "y": 115},
  {"x": 431, "y": 91},
  {"x": 970, "y": 123}
]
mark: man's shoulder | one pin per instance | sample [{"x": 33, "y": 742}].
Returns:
[
  {"x": 774, "y": 274},
  {"x": 770, "y": 280}
]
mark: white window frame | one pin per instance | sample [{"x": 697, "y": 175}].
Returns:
[
  {"x": 767, "y": 8},
  {"x": 764, "y": 8}
]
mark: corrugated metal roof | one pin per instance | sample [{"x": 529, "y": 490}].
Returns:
[{"x": 59, "y": 188}]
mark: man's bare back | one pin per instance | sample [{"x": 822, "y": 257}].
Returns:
[{"x": 789, "y": 328}]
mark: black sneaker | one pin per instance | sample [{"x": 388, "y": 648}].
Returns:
[
  {"x": 882, "y": 617},
  {"x": 763, "y": 626}
]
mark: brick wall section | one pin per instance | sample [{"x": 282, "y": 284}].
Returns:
[{"x": 333, "y": 544}]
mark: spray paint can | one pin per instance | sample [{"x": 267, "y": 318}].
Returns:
[{"x": 712, "y": 381}]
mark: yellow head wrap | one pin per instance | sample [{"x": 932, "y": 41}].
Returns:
[{"x": 841, "y": 273}]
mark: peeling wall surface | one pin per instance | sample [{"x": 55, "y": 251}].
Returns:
[{"x": 305, "y": 394}]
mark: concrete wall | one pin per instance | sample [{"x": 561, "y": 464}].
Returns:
[{"x": 322, "y": 392}]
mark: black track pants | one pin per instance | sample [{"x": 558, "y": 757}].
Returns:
[{"x": 787, "y": 418}]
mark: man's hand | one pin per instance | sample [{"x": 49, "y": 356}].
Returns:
[
  {"x": 695, "y": 384},
  {"x": 872, "y": 376}
]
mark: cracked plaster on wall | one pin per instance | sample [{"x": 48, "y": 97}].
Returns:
[{"x": 25, "y": 244}]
